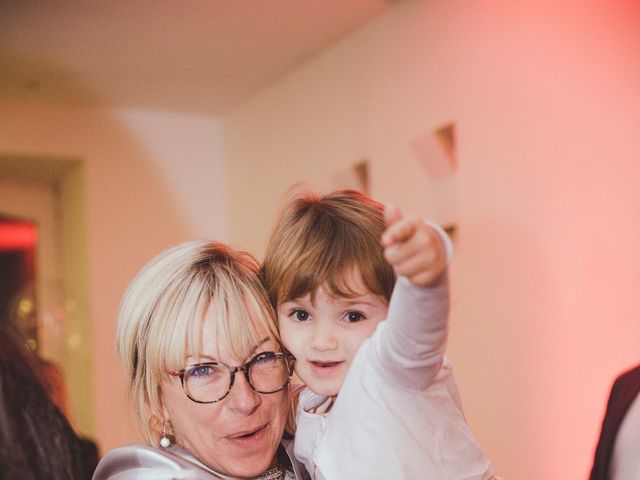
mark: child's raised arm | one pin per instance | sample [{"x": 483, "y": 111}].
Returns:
[{"x": 411, "y": 346}]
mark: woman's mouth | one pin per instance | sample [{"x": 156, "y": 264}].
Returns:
[{"x": 247, "y": 438}]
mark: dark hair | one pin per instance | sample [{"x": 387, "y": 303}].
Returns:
[
  {"x": 37, "y": 442},
  {"x": 323, "y": 240}
]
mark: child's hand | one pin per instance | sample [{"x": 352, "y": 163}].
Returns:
[{"x": 413, "y": 248}]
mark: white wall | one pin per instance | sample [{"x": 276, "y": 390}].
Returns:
[
  {"x": 151, "y": 180},
  {"x": 546, "y": 101}
]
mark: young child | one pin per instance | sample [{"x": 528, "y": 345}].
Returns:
[{"x": 381, "y": 400}]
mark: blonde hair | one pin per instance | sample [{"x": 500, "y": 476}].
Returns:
[
  {"x": 161, "y": 316},
  {"x": 324, "y": 240}
]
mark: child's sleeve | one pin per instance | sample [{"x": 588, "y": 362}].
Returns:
[
  {"x": 409, "y": 348},
  {"x": 446, "y": 240}
]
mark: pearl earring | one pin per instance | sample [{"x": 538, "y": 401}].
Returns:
[{"x": 165, "y": 441}]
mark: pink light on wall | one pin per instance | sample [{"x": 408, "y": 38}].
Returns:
[
  {"x": 17, "y": 272},
  {"x": 17, "y": 236}
]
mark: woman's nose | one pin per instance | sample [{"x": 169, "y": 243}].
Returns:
[{"x": 242, "y": 397}]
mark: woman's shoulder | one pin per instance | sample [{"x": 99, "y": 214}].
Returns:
[
  {"x": 139, "y": 462},
  {"x": 142, "y": 462}
]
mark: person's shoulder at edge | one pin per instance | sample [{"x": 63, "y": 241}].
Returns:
[{"x": 629, "y": 372}]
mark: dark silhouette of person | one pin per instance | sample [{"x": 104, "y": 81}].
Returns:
[
  {"x": 36, "y": 438},
  {"x": 623, "y": 394}
]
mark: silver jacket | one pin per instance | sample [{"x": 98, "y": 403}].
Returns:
[{"x": 142, "y": 462}]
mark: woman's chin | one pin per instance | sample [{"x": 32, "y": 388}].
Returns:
[
  {"x": 248, "y": 471},
  {"x": 246, "y": 464}
]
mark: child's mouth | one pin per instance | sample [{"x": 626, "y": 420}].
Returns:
[{"x": 325, "y": 368}]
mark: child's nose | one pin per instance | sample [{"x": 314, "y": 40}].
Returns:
[{"x": 324, "y": 338}]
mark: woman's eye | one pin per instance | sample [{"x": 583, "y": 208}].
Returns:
[
  {"x": 355, "y": 317},
  {"x": 264, "y": 359},
  {"x": 301, "y": 315},
  {"x": 204, "y": 371}
]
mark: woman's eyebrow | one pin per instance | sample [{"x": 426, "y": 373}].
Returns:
[
  {"x": 209, "y": 358},
  {"x": 203, "y": 359},
  {"x": 260, "y": 343}
]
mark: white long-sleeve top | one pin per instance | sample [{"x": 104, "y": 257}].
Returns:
[
  {"x": 625, "y": 463},
  {"x": 398, "y": 414}
]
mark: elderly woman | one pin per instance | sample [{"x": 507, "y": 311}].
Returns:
[{"x": 207, "y": 374}]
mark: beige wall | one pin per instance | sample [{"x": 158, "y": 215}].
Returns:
[
  {"x": 547, "y": 106},
  {"x": 150, "y": 180}
]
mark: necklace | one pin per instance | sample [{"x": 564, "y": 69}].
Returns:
[{"x": 276, "y": 473}]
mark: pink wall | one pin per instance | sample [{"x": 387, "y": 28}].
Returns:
[
  {"x": 550, "y": 222},
  {"x": 546, "y": 100}
]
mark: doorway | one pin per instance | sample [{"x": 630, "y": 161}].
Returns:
[
  {"x": 17, "y": 276},
  {"x": 46, "y": 272}
]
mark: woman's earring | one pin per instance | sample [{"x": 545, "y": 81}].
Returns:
[{"x": 165, "y": 441}]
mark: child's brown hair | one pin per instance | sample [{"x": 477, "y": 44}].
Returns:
[{"x": 324, "y": 240}]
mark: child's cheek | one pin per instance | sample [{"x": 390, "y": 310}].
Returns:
[
  {"x": 287, "y": 337},
  {"x": 362, "y": 334}
]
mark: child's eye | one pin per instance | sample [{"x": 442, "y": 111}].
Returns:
[
  {"x": 355, "y": 317},
  {"x": 300, "y": 315}
]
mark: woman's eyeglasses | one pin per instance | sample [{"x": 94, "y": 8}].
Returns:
[{"x": 210, "y": 382}]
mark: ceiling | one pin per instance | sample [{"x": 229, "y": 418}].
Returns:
[{"x": 203, "y": 56}]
